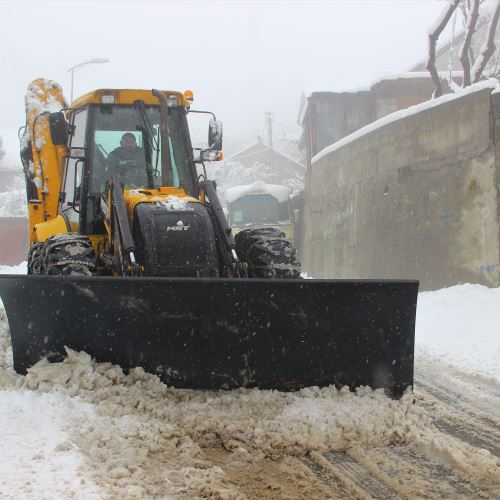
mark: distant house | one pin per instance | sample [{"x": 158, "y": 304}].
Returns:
[
  {"x": 283, "y": 164},
  {"x": 278, "y": 167},
  {"x": 327, "y": 117}
]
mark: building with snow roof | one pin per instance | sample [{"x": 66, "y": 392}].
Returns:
[
  {"x": 257, "y": 162},
  {"x": 279, "y": 166},
  {"x": 327, "y": 117}
]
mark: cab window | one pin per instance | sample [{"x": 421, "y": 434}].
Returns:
[
  {"x": 72, "y": 182},
  {"x": 136, "y": 166}
]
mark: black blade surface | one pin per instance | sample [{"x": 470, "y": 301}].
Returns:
[{"x": 213, "y": 333}]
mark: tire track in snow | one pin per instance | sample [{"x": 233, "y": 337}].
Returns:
[
  {"x": 463, "y": 391},
  {"x": 340, "y": 488},
  {"x": 350, "y": 478},
  {"x": 454, "y": 415},
  {"x": 413, "y": 474}
]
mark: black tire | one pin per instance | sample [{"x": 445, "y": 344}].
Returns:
[
  {"x": 35, "y": 258},
  {"x": 268, "y": 253},
  {"x": 69, "y": 254}
]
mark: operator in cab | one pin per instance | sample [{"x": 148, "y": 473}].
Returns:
[{"x": 127, "y": 163}]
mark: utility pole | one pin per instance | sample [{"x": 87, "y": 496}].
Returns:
[{"x": 269, "y": 120}]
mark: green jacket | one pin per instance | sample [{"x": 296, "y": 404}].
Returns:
[{"x": 129, "y": 166}]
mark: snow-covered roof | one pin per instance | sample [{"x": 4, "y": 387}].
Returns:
[
  {"x": 258, "y": 147},
  {"x": 407, "y": 75},
  {"x": 252, "y": 148},
  {"x": 281, "y": 193},
  {"x": 492, "y": 83},
  {"x": 415, "y": 74}
]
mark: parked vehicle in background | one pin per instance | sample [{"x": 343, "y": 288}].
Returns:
[{"x": 259, "y": 204}]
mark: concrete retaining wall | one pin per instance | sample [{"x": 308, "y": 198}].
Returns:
[{"x": 415, "y": 198}]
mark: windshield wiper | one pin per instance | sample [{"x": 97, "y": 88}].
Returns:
[{"x": 148, "y": 128}]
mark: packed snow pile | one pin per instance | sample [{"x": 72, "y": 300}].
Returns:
[{"x": 149, "y": 438}]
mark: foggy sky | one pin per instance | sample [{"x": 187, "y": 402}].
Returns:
[{"x": 240, "y": 58}]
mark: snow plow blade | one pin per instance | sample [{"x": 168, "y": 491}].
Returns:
[{"x": 214, "y": 333}]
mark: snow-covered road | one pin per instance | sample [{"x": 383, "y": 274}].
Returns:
[{"x": 84, "y": 430}]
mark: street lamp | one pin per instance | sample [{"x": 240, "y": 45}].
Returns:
[{"x": 98, "y": 60}]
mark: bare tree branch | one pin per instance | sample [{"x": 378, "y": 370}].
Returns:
[
  {"x": 488, "y": 47},
  {"x": 434, "y": 33},
  {"x": 473, "y": 15},
  {"x": 494, "y": 71}
]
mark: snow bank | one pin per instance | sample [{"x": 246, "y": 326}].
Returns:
[
  {"x": 460, "y": 326},
  {"x": 19, "y": 269}
]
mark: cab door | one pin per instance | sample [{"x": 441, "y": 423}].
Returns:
[{"x": 71, "y": 192}]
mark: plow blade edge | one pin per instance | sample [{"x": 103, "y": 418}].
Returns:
[{"x": 221, "y": 333}]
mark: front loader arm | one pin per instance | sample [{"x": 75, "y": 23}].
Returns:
[
  {"x": 224, "y": 231},
  {"x": 42, "y": 156},
  {"x": 121, "y": 241}
]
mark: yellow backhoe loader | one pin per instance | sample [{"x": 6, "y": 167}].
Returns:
[{"x": 132, "y": 261}]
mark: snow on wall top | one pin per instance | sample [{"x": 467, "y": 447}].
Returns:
[
  {"x": 492, "y": 83},
  {"x": 281, "y": 193}
]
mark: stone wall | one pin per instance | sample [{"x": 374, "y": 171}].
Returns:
[{"x": 413, "y": 198}]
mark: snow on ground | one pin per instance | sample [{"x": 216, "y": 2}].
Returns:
[
  {"x": 19, "y": 269},
  {"x": 460, "y": 326},
  {"x": 38, "y": 458},
  {"x": 84, "y": 429}
]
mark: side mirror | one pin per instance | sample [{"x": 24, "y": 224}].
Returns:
[
  {"x": 215, "y": 135},
  {"x": 59, "y": 128},
  {"x": 202, "y": 155},
  {"x": 211, "y": 155}
]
